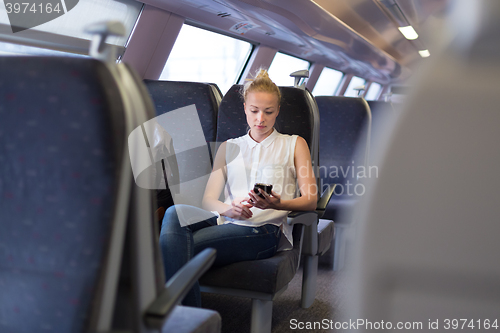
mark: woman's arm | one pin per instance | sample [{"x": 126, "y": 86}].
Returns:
[
  {"x": 306, "y": 181},
  {"x": 215, "y": 186}
]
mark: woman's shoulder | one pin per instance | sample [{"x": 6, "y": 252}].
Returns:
[
  {"x": 288, "y": 137},
  {"x": 294, "y": 142}
]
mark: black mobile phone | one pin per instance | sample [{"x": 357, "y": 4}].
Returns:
[{"x": 264, "y": 187}]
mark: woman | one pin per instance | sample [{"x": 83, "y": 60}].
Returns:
[{"x": 245, "y": 226}]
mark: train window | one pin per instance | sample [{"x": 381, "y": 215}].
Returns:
[
  {"x": 66, "y": 32},
  {"x": 328, "y": 82},
  {"x": 373, "y": 92},
  {"x": 354, "y": 83},
  {"x": 204, "y": 56},
  {"x": 284, "y": 64}
]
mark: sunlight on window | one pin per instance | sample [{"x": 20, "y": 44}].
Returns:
[
  {"x": 205, "y": 56},
  {"x": 328, "y": 82},
  {"x": 283, "y": 65},
  {"x": 85, "y": 13},
  {"x": 355, "y": 83},
  {"x": 373, "y": 92}
]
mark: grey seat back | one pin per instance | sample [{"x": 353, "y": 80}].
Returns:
[
  {"x": 383, "y": 113},
  {"x": 429, "y": 230}
]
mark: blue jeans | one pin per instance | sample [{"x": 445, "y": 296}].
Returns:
[{"x": 233, "y": 242}]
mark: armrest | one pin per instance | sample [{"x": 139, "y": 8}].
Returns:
[
  {"x": 310, "y": 221},
  {"x": 305, "y": 218},
  {"x": 324, "y": 200},
  {"x": 177, "y": 287}
]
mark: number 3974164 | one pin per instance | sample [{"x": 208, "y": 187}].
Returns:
[
  {"x": 27, "y": 7},
  {"x": 460, "y": 324}
]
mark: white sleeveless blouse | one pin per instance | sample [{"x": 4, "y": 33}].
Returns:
[{"x": 270, "y": 161}]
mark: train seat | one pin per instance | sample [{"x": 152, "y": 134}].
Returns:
[
  {"x": 293, "y": 99},
  {"x": 67, "y": 191},
  {"x": 263, "y": 280},
  {"x": 343, "y": 149},
  {"x": 168, "y": 96},
  {"x": 62, "y": 140}
]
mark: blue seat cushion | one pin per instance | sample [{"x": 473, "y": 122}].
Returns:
[{"x": 266, "y": 275}]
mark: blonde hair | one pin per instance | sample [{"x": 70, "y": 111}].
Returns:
[{"x": 261, "y": 83}]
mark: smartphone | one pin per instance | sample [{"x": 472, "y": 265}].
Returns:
[{"x": 264, "y": 187}]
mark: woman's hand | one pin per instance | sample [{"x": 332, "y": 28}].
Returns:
[
  {"x": 268, "y": 202},
  {"x": 240, "y": 209}
]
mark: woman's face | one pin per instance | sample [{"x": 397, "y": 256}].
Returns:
[{"x": 261, "y": 109}]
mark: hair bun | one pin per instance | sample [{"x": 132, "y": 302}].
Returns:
[
  {"x": 261, "y": 83},
  {"x": 262, "y": 74}
]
